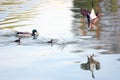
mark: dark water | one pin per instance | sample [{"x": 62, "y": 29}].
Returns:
[{"x": 67, "y": 57}]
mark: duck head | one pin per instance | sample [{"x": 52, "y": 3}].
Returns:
[{"x": 34, "y": 34}]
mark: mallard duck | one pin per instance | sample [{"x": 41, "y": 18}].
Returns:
[{"x": 34, "y": 34}]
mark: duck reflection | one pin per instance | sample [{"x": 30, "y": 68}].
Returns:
[
  {"x": 98, "y": 29},
  {"x": 82, "y": 27},
  {"x": 85, "y": 31},
  {"x": 51, "y": 42},
  {"x": 91, "y": 65}
]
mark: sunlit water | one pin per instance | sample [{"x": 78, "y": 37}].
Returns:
[{"x": 53, "y": 19}]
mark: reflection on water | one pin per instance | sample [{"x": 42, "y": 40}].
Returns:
[
  {"x": 91, "y": 65},
  {"x": 63, "y": 38},
  {"x": 109, "y": 33},
  {"x": 16, "y": 13},
  {"x": 82, "y": 27},
  {"x": 84, "y": 30},
  {"x": 107, "y": 28},
  {"x": 51, "y": 18},
  {"x": 39, "y": 14}
]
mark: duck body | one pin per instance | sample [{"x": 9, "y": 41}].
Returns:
[
  {"x": 23, "y": 34},
  {"x": 34, "y": 34}
]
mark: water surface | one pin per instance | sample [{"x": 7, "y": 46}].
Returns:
[{"x": 67, "y": 57}]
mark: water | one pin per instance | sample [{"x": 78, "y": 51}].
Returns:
[
  {"x": 66, "y": 58},
  {"x": 35, "y": 14}
]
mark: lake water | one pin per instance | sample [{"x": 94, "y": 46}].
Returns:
[{"x": 66, "y": 58}]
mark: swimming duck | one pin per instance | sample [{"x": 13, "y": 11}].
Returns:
[{"x": 34, "y": 34}]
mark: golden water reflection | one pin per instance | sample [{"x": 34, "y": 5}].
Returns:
[
  {"x": 16, "y": 13},
  {"x": 25, "y": 15},
  {"x": 84, "y": 31}
]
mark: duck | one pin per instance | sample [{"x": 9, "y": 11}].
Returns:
[{"x": 34, "y": 34}]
